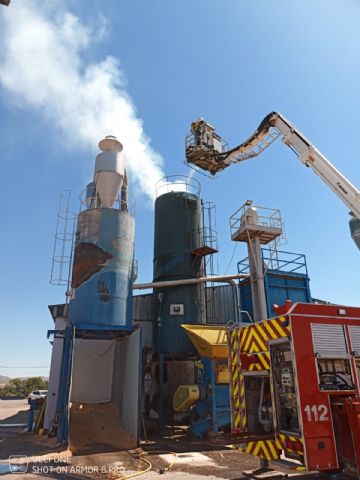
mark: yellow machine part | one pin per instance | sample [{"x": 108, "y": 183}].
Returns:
[
  {"x": 210, "y": 341},
  {"x": 222, "y": 374},
  {"x": 185, "y": 396}
]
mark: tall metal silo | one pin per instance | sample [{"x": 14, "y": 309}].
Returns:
[
  {"x": 104, "y": 248},
  {"x": 98, "y": 385},
  {"x": 179, "y": 231}
]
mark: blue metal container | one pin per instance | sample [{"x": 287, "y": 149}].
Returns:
[
  {"x": 286, "y": 278},
  {"x": 212, "y": 410},
  {"x": 178, "y": 221},
  {"x": 102, "y": 270}
]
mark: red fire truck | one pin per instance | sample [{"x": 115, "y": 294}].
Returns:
[{"x": 295, "y": 387}]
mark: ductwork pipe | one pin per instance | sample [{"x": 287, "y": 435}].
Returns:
[{"x": 189, "y": 281}]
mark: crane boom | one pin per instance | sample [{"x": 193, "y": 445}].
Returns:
[{"x": 206, "y": 150}]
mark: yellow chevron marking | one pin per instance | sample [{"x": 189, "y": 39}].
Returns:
[
  {"x": 272, "y": 449},
  {"x": 265, "y": 450},
  {"x": 293, "y": 439},
  {"x": 249, "y": 447},
  {"x": 277, "y": 327},
  {"x": 248, "y": 340},
  {"x": 253, "y": 348},
  {"x": 257, "y": 448},
  {"x": 259, "y": 340},
  {"x": 262, "y": 331},
  {"x": 263, "y": 361},
  {"x": 270, "y": 331}
]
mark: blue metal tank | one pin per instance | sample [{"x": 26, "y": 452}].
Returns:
[
  {"x": 104, "y": 247},
  {"x": 102, "y": 270},
  {"x": 178, "y": 227}
]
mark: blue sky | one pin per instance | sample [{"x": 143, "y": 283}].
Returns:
[{"x": 231, "y": 62}]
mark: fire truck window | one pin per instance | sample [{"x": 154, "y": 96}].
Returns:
[
  {"x": 335, "y": 374},
  {"x": 284, "y": 388}
]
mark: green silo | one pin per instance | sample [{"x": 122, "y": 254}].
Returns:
[{"x": 178, "y": 238}]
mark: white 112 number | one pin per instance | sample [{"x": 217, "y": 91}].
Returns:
[{"x": 317, "y": 413}]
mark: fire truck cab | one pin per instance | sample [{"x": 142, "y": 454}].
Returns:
[{"x": 295, "y": 386}]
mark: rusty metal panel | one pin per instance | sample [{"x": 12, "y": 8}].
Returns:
[{"x": 102, "y": 270}]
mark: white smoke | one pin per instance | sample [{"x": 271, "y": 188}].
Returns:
[{"x": 42, "y": 64}]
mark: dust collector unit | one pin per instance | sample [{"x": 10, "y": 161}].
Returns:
[
  {"x": 104, "y": 248},
  {"x": 355, "y": 230},
  {"x": 178, "y": 238}
]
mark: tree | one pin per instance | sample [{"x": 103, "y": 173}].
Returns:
[{"x": 23, "y": 386}]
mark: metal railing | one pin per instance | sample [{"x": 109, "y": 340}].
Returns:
[
  {"x": 178, "y": 183},
  {"x": 88, "y": 202},
  {"x": 286, "y": 262},
  {"x": 192, "y": 142},
  {"x": 267, "y": 217},
  {"x": 254, "y": 150},
  {"x": 205, "y": 237}
]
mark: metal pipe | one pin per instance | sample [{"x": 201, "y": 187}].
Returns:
[
  {"x": 161, "y": 392},
  {"x": 188, "y": 281},
  {"x": 261, "y": 401}
]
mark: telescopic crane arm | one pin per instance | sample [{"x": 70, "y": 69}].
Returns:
[{"x": 206, "y": 150}]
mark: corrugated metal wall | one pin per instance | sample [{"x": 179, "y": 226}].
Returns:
[
  {"x": 143, "y": 308},
  {"x": 221, "y": 303},
  {"x": 143, "y": 315}
]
